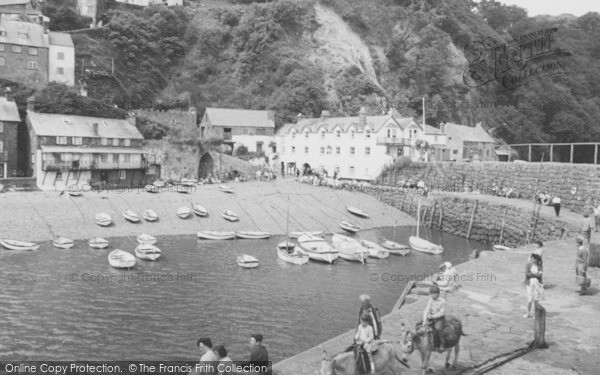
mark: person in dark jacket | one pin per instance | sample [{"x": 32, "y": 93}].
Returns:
[
  {"x": 373, "y": 312},
  {"x": 258, "y": 355}
]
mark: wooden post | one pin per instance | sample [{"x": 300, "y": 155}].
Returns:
[
  {"x": 441, "y": 215},
  {"x": 530, "y": 153},
  {"x": 572, "y": 150},
  {"x": 407, "y": 289},
  {"x": 472, "y": 217},
  {"x": 503, "y": 223},
  {"x": 402, "y": 204},
  {"x": 552, "y": 152},
  {"x": 539, "y": 326},
  {"x": 424, "y": 215},
  {"x": 432, "y": 213}
]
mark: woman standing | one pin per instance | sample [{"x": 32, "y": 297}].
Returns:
[
  {"x": 581, "y": 263},
  {"x": 533, "y": 282}
]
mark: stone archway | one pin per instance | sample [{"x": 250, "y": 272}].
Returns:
[{"x": 207, "y": 165}]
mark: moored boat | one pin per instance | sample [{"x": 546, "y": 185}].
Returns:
[
  {"x": 150, "y": 215},
  {"x": 347, "y": 226},
  {"x": 357, "y": 212},
  {"x": 375, "y": 251},
  {"x": 229, "y": 215},
  {"x": 144, "y": 238},
  {"x": 501, "y": 247},
  {"x": 421, "y": 244},
  {"x": 313, "y": 233},
  {"x": 184, "y": 212},
  {"x": 318, "y": 249},
  {"x": 148, "y": 252},
  {"x": 395, "y": 248},
  {"x": 188, "y": 182},
  {"x": 289, "y": 253},
  {"x": 199, "y": 210},
  {"x": 121, "y": 259},
  {"x": 74, "y": 193},
  {"x": 103, "y": 219},
  {"x": 215, "y": 235},
  {"x": 18, "y": 245},
  {"x": 184, "y": 189},
  {"x": 247, "y": 261},
  {"x": 252, "y": 235},
  {"x": 349, "y": 248},
  {"x": 98, "y": 242},
  {"x": 131, "y": 216},
  {"x": 63, "y": 242},
  {"x": 152, "y": 189},
  {"x": 226, "y": 189}
]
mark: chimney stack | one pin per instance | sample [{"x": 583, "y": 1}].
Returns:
[
  {"x": 362, "y": 116},
  {"x": 443, "y": 128},
  {"x": 131, "y": 118},
  {"x": 8, "y": 94},
  {"x": 31, "y": 103},
  {"x": 325, "y": 114}
]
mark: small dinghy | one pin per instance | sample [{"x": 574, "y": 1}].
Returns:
[
  {"x": 349, "y": 248},
  {"x": 75, "y": 193},
  {"x": 152, "y": 189},
  {"x": 252, "y": 235},
  {"x": 63, "y": 242},
  {"x": 184, "y": 189},
  {"x": 18, "y": 245},
  {"x": 184, "y": 212},
  {"x": 103, "y": 219},
  {"x": 188, "y": 183},
  {"x": 247, "y": 261},
  {"x": 199, "y": 210},
  {"x": 395, "y": 248},
  {"x": 357, "y": 212},
  {"x": 421, "y": 244},
  {"x": 318, "y": 249},
  {"x": 216, "y": 235},
  {"x": 501, "y": 248},
  {"x": 289, "y": 253},
  {"x": 148, "y": 252},
  {"x": 298, "y": 234},
  {"x": 98, "y": 243},
  {"x": 150, "y": 215},
  {"x": 347, "y": 226},
  {"x": 144, "y": 238},
  {"x": 159, "y": 183},
  {"x": 131, "y": 216},
  {"x": 375, "y": 251},
  {"x": 229, "y": 215},
  {"x": 226, "y": 189},
  {"x": 121, "y": 259}
]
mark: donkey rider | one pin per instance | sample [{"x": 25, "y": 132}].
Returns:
[
  {"x": 434, "y": 314},
  {"x": 366, "y": 337}
]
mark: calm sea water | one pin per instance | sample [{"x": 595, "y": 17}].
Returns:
[{"x": 71, "y": 305}]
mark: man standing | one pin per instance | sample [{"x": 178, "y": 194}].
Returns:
[
  {"x": 448, "y": 280},
  {"x": 581, "y": 264},
  {"x": 208, "y": 357},
  {"x": 373, "y": 312},
  {"x": 597, "y": 218},
  {"x": 259, "y": 355},
  {"x": 556, "y": 203},
  {"x": 586, "y": 229}
]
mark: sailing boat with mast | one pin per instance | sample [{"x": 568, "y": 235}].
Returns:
[
  {"x": 421, "y": 244},
  {"x": 287, "y": 251}
]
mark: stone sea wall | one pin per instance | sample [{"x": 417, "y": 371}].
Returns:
[{"x": 578, "y": 185}]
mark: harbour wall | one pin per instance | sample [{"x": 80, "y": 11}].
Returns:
[{"x": 578, "y": 185}]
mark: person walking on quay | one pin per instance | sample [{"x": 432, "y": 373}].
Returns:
[
  {"x": 434, "y": 315},
  {"x": 533, "y": 282},
  {"x": 556, "y": 203},
  {"x": 373, "y": 312},
  {"x": 258, "y": 355},
  {"x": 208, "y": 357},
  {"x": 581, "y": 264},
  {"x": 224, "y": 362},
  {"x": 586, "y": 229},
  {"x": 365, "y": 337},
  {"x": 448, "y": 281}
]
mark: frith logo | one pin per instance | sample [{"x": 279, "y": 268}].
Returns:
[{"x": 516, "y": 63}]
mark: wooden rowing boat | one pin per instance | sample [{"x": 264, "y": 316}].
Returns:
[
  {"x": 318, "y": 249},
  {"x": 421, "y": 244},
  {"x": 121, "y": 259},
  {"x": 375, "y": 251},
  {"x": 74, "y": 193},
  {"x": 150, "y": 215},
  {"x": 357, "y": 212},
  {"x": 289, "y": 253},
  {"x": 395, "y": 248},
  {"x": 226, "y": 189},
  {"x": 103, "y": 219},
  {"x": 252, "y": 235},
  {"x": 63, "y": 242},
  {"x": 131, "y": 216},
  {"x": 98, "y": 242},
  {"x": 347, "y": 226},
  {"x": 229, "y": 215},
  {"x": 501, "y": 247},
  {"x": 349, "y": 248},
  {"x": 152, "y": 189},
  {"x": 215, "y": 235},
  {"x": 18, "y": 245},
  {"x": 147, "y": 252},
  {"x": 144, "y": 238},
  {"x": 200, "y": 210},
  {"x": 313, "y": 233},
  {"x": 184, "y": 212},
  {"x": 247, "y": 261}
]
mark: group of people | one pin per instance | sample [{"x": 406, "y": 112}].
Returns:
[
  {"x": 212, "y": 357},
  {"x": 547, "y": 200}
]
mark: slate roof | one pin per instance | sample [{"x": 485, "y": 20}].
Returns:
[
  {"x": 240, "y": 118},
  {"x": 61, "y": 39},
  {"x": 48, "y": 124},
  {"x": 468, "y": 133},
  {"x": 432, "y": 130},
  {"x": 313, "y": 125},
  {"x": 9, "y": 111},
  {"x": 91, "y": 150},
  {"x": 4, "y": 3},
  {"x": 34, "y": 32}
]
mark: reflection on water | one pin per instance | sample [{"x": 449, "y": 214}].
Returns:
[{"x": 70, "y": 304}]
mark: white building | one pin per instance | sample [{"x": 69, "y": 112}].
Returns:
[
  {"x": 61, "y": 57},
  {"x": 145, "y": 3},
  {"x": 355, "y": 147}
]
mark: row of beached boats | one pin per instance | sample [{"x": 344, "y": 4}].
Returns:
[
  {"x": 184, "y": 187},
  {"x": 103, "y": 219}
]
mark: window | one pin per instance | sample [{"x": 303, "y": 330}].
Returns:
[
  {"x": 293, "y": 134},
  {"x": 61, "y": 140},
  {"x": 338, "y": 133},
  {"x": 245, "y": 131},
  {"x": 352, "y": 150},
  {"x": 322, "y": 134},
  {"x": 77, "y": 140},
  {"x": 306, "y": 134},
  {"x": 366, "y": 171},
  {"x": 1, "y": 126},
  {"x": 127, "y": 158},
  {"x": 368, "y": 133},
  {"x": 104, "y": 141},
  {"x": 1, "y": 60},
  {"x": 32, "y": 65},
  {"x": 352, "y": 133},
  {"x": 367, "y": 151},
  {"x": 33, "y": 51},
  {"x": 127, "y": 142},
  {"x": 17, "y": 49},
  {"x": 322, "y": 150},
  {"x": 59, "y": 176},
  {"x": 306, "y": 150},
  {"x": 455, "y": 152},
  {"x": 337, "y": 150},
  {"x": 351, "y": 170},
  {"x": 115, "y": 141},
  {"x": 1, "y": 146},
  {"x": 435, "y": 138},
  {"x": 122, "y": 175},
  {"x": 104, "y": 158},
  {"x": 22, "y": 36},
  {"x": 60, "y": 71},
  {"x": 293, "y": 149},
  {"x": 1, "y": 47},
  {"x": 328, "y": 150},
  {"x": 61, "y": 55}
]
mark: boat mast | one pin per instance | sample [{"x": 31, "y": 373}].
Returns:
[{"x": 418, "y": 216}]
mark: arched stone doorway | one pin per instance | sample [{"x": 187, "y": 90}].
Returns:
[{"x": 207, "y": 165}]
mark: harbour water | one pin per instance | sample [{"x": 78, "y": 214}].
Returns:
[{"x": 71, "y": 305}]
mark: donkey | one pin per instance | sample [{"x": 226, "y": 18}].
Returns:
[
  {"x": 423, "y": 339},
  {"x": 386, "y": 362}
]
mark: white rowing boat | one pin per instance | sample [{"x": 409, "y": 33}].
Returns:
[
  {"x": 318, "y": 249},
  {"x": 313, "y": 233},
  {"x": 229, "y": 215},
  {"x": 188, "y": 183},
  {"x": 247, "y": 261},
  {"x": 395, "y": 248},
  {"x": 148, "y": 252},
  {"x": 184, "y": 212},
  {"x": 357, "y": 212},
  {"x": 501, "y": 247},
  {"x": 103, "y": 219},
  {"x": 375, "y": 251},
  {"x": 121, "y": 259},
  {"x": 150, "y": 215},
  {"x": 289, "y": 253},
  {"x": 63, "y": 242},
  {"x": 226, "y": 189},
  {"x": 347, "y": 226},
  {"x": 200, "y": 210},
  {"x": 131, "y": 216},
  {"x": 18, "y": 245},
  {"x": 216, "y": 235},
  {"x": 349, "y": 248},
  {"x": 98, "y": 242},
  {"x": 252, "y": 235},
  {"x": 159, "y": 183},
  {"x": 75, "y": 193},
  {"x": 152, "y": 189},
  {"x": 421, "y": 244},
  {"x": 144, "y": 238}
]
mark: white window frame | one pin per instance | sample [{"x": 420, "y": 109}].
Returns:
[
  {"x": 77, "y": 141},
  {"x": 2, "y": 61},
  {"x": 32, "y": 65},
  {"x": 322, "y": 134},
  {"x": 338, "y": 150},
  {"x": 115, "y": 141},
  {"x": 60, "y": 70},
  {"x": 16, "y": 49},
  {"x": 122, "y": 175},
  {"x": 322, "y": 150},
  {"x": 306, "y": 149},
  {"x": 61, "y": 140},
  {"x": 352, "y": 134},
  {"x": 306, "y": 134},
  {"x": 367, "y": 151},
  {"x": 104, "y": 141},
  {"x": 1, "y": 126},
  {"x": 351, "y": 170},
  {"x": 127, "y": 158},
  {"x": 33, "y": 51},
  {"x": 338, "y": 133},
  {"x": 1, "y": 146},
  {"x": 293, "y": 149},
  {"x": 1, "y": 47},
  {"x": 22, "y": 35},
  {"x": 352, "y": 151},
  {"x": 127, "y": 142},
  {"x": 368, "y": 133}
]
